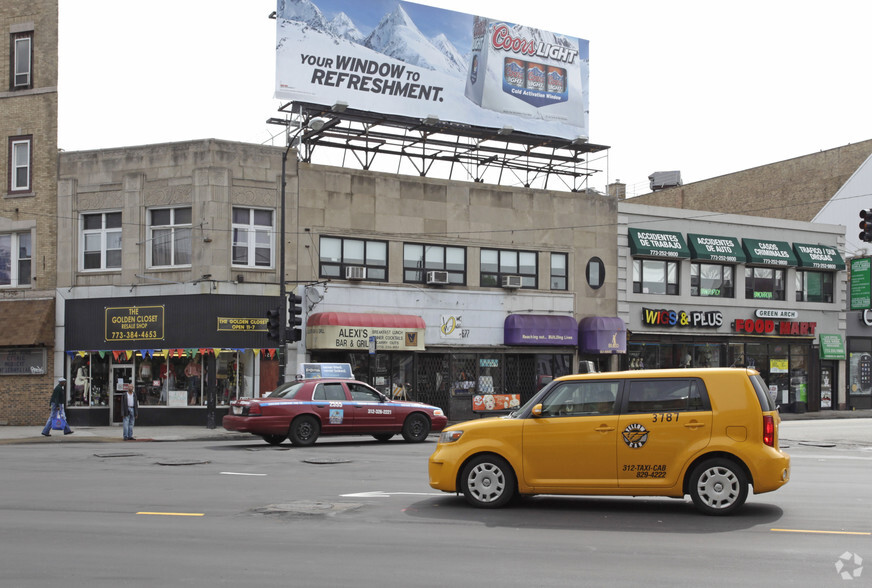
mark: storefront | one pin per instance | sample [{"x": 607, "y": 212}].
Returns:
[
  {"x": 186, "y": 357},
  {"x": 859, "y": 350}
]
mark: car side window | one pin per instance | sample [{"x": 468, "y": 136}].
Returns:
[
  {"x": 581, "y": 399},
  {"x": 666, "y": 395},
  {"x": 329, "y": 391},
  {"x": 359, "y": 392}
]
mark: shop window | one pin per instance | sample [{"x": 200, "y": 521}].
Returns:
[
  {"x": 712, "y": 280},
  {"x": 101, "y": 241},
  {"x": 170, "y": 236},
  {"x": 15, "y": 259},
  {"x": 654, "y": 276},
  {"x": 499, "y": 263},
  {"x": 22, "y": 61},
  {"x": 419, "y": 259},
  {"x": 253, "y": 237},
  {"x": 764, "y": 283},
  {"x": 814, "y": 286},
  {"x": 559, "y": 262},
  {"x": 363, "y": 259},
  {"x": 20, "y": 164}
]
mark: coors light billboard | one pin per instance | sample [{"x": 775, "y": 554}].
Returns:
[{"x": 407, "y": 59}]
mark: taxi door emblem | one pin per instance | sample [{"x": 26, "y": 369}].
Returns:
[{"x": 635, "y": 436}]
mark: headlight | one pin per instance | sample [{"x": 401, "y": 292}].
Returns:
[
  {"x": 450, "y": 436},
  {"x": 438, "y": 412}
]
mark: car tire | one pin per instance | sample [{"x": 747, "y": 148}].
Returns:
[
  {"x": 383, "y": 437},
  {"x": 304, "y": 430},
  {"x": 274, "y": 439},
  {"x": 718, "y": 487},
  {"x": 416, "y": 428},
  {"x": 488, "y": 481}
]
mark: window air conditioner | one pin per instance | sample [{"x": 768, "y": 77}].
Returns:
[
  {"x": 511, "y": 281},
  {"x": 355, "y": 272},
  {"x": 437, "y": 277}
]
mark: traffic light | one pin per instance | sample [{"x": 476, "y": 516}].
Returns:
[
  {"x": 274, "y": 322},
  {"x": 866, "y": 225},
  {"x": 295, "y": 317}
]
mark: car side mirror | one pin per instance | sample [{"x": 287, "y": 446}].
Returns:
[{"x": 537, "y": 410}]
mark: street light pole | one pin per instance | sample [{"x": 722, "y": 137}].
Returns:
[{"x": 283, "y": 352}]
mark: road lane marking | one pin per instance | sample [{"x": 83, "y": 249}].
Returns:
[
  {"x": 174, "y": 514},
  {"x": 239, "y": 474},
  {"x": 820, "y": 532}
]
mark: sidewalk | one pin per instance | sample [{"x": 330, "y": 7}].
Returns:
[{"x": 16, "y": 435}]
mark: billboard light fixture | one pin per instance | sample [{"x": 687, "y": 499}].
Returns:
[
  {"x": 506, "y": 130},
  {"x": 431, "y": 119},
  {"x": 317, "y": 123},
  {"x": 339, "y": 106}
]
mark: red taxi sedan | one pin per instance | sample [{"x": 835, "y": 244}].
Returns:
[{"x": 304, "y": 409}]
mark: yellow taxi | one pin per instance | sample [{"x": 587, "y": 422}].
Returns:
[{"x": 708, "y": 432}]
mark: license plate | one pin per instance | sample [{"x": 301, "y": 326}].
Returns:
[{"x": 236, "y": 409}]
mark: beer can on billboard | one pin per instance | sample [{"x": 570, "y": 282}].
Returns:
[
  {"x": 536, "y": 76},
  {"x": 556, "y": 79},
  {"x": 513, "y": 72}
]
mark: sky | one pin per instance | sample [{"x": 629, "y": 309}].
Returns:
[{"x": 705, "y": 88}]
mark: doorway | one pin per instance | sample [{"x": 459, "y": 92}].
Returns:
[{"x": 122, "y": 378}]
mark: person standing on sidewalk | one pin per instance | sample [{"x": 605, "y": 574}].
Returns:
[
  {"x": 57, "y": 403},
  {"x": 129, "y": 408}
]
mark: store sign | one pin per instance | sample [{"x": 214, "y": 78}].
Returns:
[
  {"x": 776, "y": 253},
  {"x": 818, "y": 257},
  {"x": 357, "y": 338},
  {"x": 680, "y": 318},
  {"x": 861, "y": 283},
  {"x": 772, "y": 313},
  {"x": 648, "y": 243},
  {"x": 450, "y": 327},
  {"x": 832, "y": 346},
  {"x": 242, "y": 324},
  {"x": 135, "y": 323},
  {"x": 714, "y": 248},
  {"x": 772, "y": 327},
  {"x": 22, "y": 362}
]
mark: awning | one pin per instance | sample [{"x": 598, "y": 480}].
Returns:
[
  {"x": 351, "y": 331},
  {"x": 819, "y": 257},
  {"x": 647, "y": 243},
  {"x": 538, "y": 329},
  {"x": 27, "y": 323},
  {"x": 602, "y": 334},
  {"x": 768, "y": 253},
  {"x": 715, "y": 248}
]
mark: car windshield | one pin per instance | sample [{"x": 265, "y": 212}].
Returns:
[{"x": 288, "y": 390}]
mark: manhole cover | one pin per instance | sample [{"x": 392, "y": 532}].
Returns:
[
  {"x": 326, "y": 460},
  {"x": 117, "y": 454},
  {"x": 308, "y": 507},
  {"x": 182, "y": 462}
]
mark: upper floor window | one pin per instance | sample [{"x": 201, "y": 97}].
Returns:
[
  {"x": 22, "y": 60},
  {"x": 499, "y": 263},
  {"x": 595, "y": 272},
  {"x": 20, "y": 164},
  {"x": 712, "y": 279},
  {"x": 419, "y": 259},
  {"x": 15, "y": 259},
  {"x": 252, "y": 237},
  {"x": 814, "y": 286},
  {"x": 354, "y": 259},
  {"x": 559, "y": 262},
  {"x": 170, "y": 236},
  {"x": 764, "y": 283},
  {"x": 655, "y": 276},
  {"x": 101, "y": 240}
]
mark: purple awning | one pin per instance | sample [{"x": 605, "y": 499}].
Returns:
[
  {"x": 539, "y": 329},
  {"x": 602, "y": 334}
]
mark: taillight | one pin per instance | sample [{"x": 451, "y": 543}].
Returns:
[{"x": 769, "y": 430}]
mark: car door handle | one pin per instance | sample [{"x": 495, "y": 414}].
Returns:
[
  {"x": 694, "y": 425},
  {"x": 604, "y": 429}
]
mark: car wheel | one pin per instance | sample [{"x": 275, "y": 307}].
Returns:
[
  {"x": 488, "y": 481},
  {"x": 383, "y": 436},
  {"x": 416, "y": 428},
  {"x": 718, "y": 487},
  {"x": 274, "y": 439},
  {"x": 304, "y": 430}
]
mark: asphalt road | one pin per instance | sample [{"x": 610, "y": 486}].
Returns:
[{"x": 350, "y": 511}]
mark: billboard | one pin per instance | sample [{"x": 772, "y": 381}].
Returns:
[{"x": 401, "y": 58}]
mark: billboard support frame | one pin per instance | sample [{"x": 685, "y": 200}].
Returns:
[{"x": 480, "y": 152}]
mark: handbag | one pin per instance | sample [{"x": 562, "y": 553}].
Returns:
[{"x": 59, "y": 423}]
